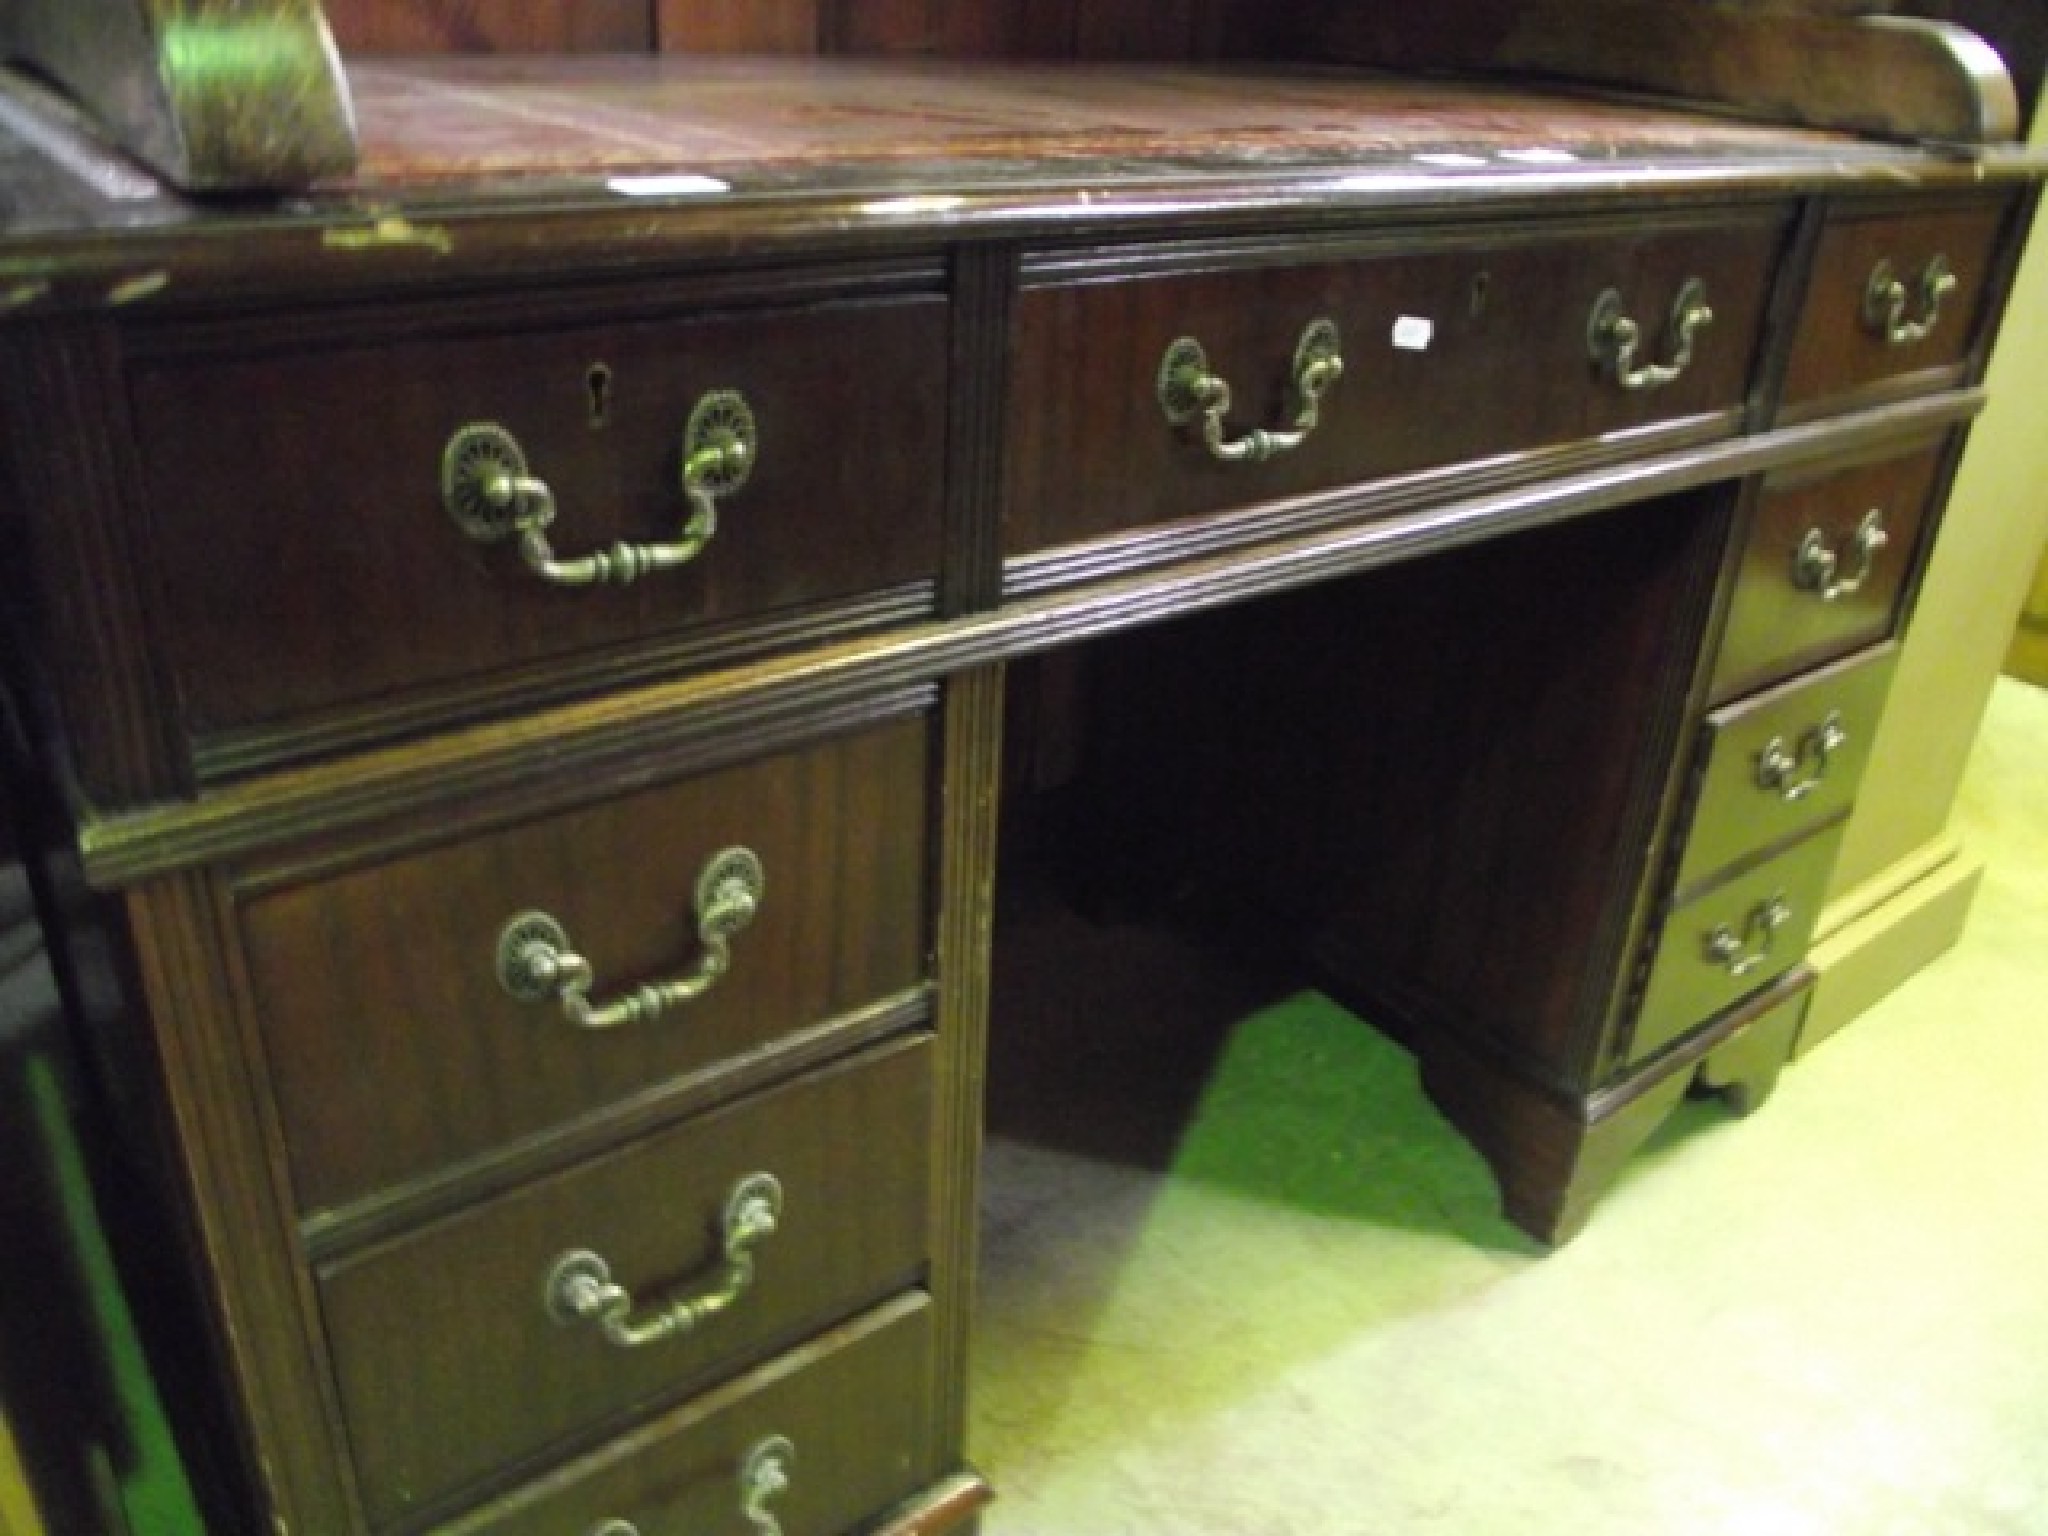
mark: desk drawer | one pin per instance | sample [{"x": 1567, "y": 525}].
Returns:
[
  {"x": 1859, "y": 331},
  {"x": 396, "y": 1050},
  {"x": 846, "y": 1418},
  {"x": 1824, "y": 568},
  {"x": 1475, "y": 349},
  {"x": 1733, "y": 939},
  {"x": 307, "y": 561},
  {"x": 1784, "y": 761},
  {"x": 449, "y": 1356}
]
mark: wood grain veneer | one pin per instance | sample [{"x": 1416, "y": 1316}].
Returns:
[
  {"x": 306, "y": 562},
  {"x": 447, "y": 1327},
  {"x": 407, "y": 946},
  {"x": 1838, "y": 356},
  {"x": 1506, "y": 367},
  {"x": 1777, "y": 627}
]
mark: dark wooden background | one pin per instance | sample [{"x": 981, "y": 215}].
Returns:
[{"x": 989, "y": 28}]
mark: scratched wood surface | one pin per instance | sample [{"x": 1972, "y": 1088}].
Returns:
[{"x": 427, "y": 120}]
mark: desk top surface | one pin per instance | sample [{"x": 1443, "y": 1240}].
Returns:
[
  {"x": 604, "y": 160},
  {"x": 446, "y": 121}
]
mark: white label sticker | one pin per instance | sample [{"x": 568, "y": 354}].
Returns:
[
  {"x": 668, "y": 186},
  {"x": 1412, "y": 333}
]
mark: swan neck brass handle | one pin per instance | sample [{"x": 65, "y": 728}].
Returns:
[
  {"x": 765, "y": 1475},
  {"x": 1887, "y": 300},
  {"x": 1613, "y": 338},
  {"x": 1779, "y": 766},
  {"x": 613, "y": 1528},
  {"x": 487, "y": 488},
  {"x": 1740, "y": 953},
  {"x": 536, "y": 961},
  {"x": 580, "y": 1290},
  {"x": 1189, "y": 391},
  {"x": 1832, "y": 575}
]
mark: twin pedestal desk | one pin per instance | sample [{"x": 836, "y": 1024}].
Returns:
[{"x": 522, "y": 639}]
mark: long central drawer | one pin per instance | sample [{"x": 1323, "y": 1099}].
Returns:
[{"x": 1468, "y": 350}]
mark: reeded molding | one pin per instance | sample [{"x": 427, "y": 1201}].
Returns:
[{"x": 215, "y": 95}]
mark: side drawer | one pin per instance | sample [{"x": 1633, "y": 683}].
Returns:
[
  {"x": 396, "y": 1050},
  {"x": 1783, "y": 762},
  {"x": 308, "y": 563},
  {"x": 1824, "y": 568},
  {"x": 452, "y": 1353},
  {"x": 1472, "y": 349},
  {"x": 1894, "y": 303},
  {"x": 1732, "y": 939},
  {"x": 845, "y": 1419}
]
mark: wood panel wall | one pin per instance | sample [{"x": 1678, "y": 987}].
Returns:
[
  {"x": 492, "y": 26},
  {"x": 1088, "y": 29}
]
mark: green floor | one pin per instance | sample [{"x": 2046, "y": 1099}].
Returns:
[
  {"x": 80, "y": 1407},
  {"x": 1830, "y": 1319}
]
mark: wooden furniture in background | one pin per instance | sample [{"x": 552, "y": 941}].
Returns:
[{"x": 525, "y": 632}]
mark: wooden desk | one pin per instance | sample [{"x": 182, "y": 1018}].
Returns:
[{"x": 1455, "y": 536}]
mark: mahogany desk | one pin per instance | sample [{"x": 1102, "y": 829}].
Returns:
[{"x": 1462, "y": 533}]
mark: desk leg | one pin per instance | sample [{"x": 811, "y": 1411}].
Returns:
[{"x": 1552, "y": 1158}]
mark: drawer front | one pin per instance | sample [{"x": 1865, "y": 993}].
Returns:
[
  {"x": 396, "y": 1049},
  {"x": 454, "y": 1354},
  {"x": 308, "y": 562},
  {"x": 1733, "y": 939},
  {"x": 1858, "y": 330},
  {"x": 1783, "y": 762},
  {"x": 1458, "y": 353},
  {"x": 1823, "y": 569},
  {"x": 845, "y": 1419}
]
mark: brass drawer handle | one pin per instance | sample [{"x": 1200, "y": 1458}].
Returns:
[
  {"x": 1778, "y": 766},
  {"x": 764, "y": 1475},
  {"x": 580, "y": 1289},
  {"x": 1612, "y": 337},
  {"x": 613, "y": 1528},
  {"x": 1739, "y": 954},
  {"x": 1886, "y": 297},
  {"x": 487, "y": 489},
  {"x": 1826, "y": 573},
  {"x": 1187, "y": 389},
  {"x": 535, "y": 961}
]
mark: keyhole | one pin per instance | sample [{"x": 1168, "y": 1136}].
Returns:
[
  {"x": 598, "y": 381},
  {"x": 1480, "y": 287}
]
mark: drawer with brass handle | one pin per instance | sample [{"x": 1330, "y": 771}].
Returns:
[
  {"x": 1733, "y": 938},
  {"x": 1270, "y": 374},
  {"x": 532, "y": 976},
  {"x": 1893, "y": 303},
  {"x": 412, "y": 522},
  {"x": 822, "y": 1439},
  {"x": 1782, "y": 762},
  {"x": 1825, "y": 564},
  {"x": 566, "y": 1306}
]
